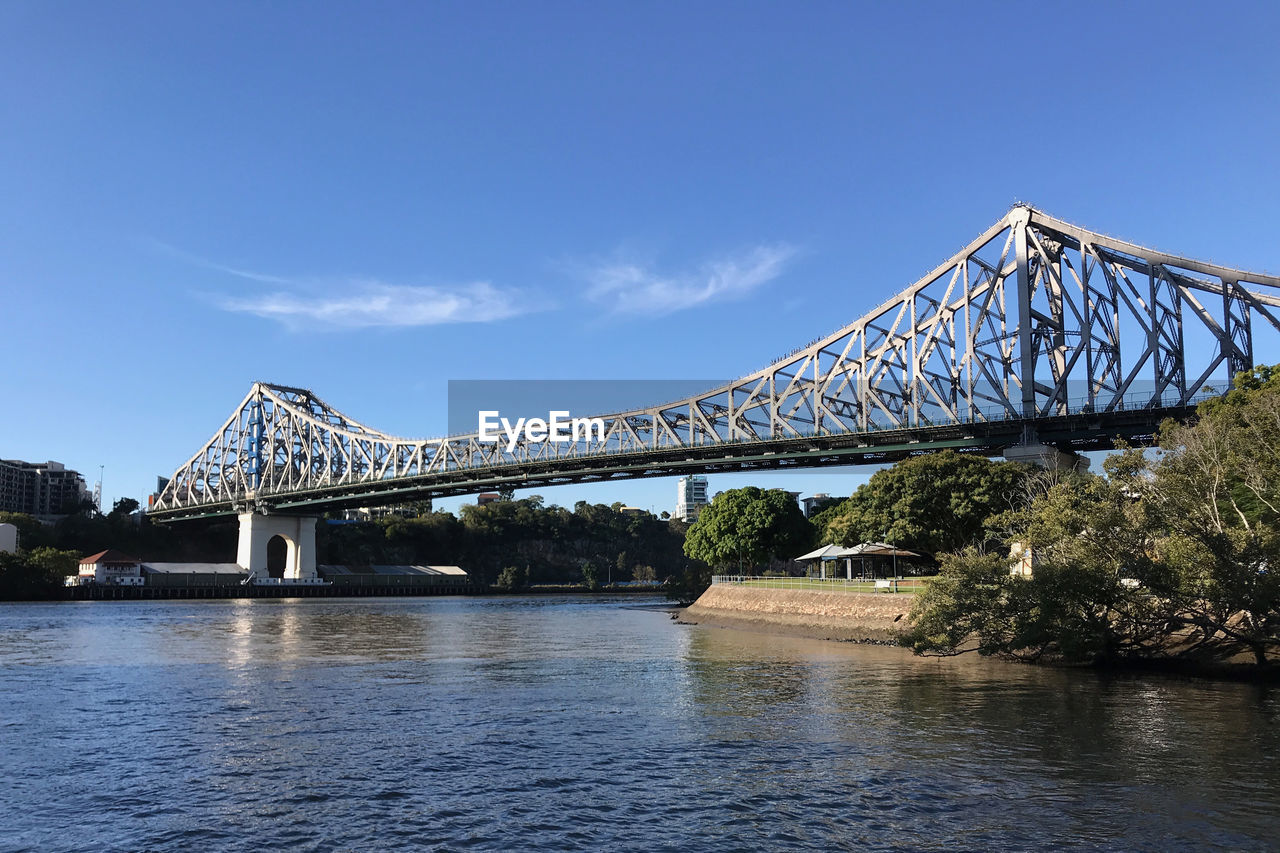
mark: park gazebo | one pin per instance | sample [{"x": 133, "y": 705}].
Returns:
[
  {"x": 817, "y": 557},
  {"x": 832, "y": 553},
  {"x": 864, "y": 550}
]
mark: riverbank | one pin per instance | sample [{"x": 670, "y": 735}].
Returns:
[{"x": 859, "y": 617}]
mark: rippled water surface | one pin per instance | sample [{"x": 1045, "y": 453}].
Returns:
[{"x": 590, "y": 723}]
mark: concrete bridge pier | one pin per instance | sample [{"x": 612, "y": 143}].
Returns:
[{"x": 298, "y": 533}]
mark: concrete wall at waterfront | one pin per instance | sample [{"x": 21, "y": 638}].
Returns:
[{"x": 857, "y": 616}]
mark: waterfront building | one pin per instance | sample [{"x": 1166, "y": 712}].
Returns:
[
  {"x": 45, "y": 490},
  {"x": 172, "y": 575},
  {"x": 109, "y": 567},
  {"x": 487, "y": 498},
  {"x": 113, "y": 569},
  {"x": 363, "y": 579},
  {"x": 691, "y": 497}
]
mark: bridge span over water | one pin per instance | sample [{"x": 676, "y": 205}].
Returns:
[{"x": 1037, "y": 334}]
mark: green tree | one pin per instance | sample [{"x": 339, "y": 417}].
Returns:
[
  {"x": 35, "y": 574},
  {"x": 1212, "y": 493},
  {"x": 1174, "y": 552},
  {"x": 512, "y": 578},
  {"x": 742, "y": 528},
  {"x": 123, "y": 508},
  {"x": 31, "y": 533},
  {"x": 825, "y": 516},
  {"x": 1089, "y": 599},
  {"x": 932, "y": 503}
]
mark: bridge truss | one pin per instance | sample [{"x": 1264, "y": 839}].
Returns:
[{"x": 1036, "y": 328}]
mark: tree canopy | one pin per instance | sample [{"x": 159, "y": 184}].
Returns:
[
  {"x": 539, "y": 544},
  {"x": 37, "y": 573},
  {"x": 931, "y": 503},
  {"x": 746, "y": 527},
  {"x": 592, "y": 543},
  {"x": 1173, "y": 553}
]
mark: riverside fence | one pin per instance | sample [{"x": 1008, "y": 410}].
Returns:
[{"x": 892, "y": 585}]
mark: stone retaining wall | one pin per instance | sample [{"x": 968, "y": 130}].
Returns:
[{"x": 856, "y": 616}]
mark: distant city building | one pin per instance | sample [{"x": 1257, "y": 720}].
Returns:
[
  {"x": 795, "y": 496},
  {"x": 45, "y": 490},
  {"x": 815, "y": 504},
  {"x": 161, "y": 484},
  {"x": 8, "y": 539},
  {"x": 632, "y": 510},
  {"x": 372, "y": 513},
  {"x": 691, "y": 497},
  {"x": 487, "y": 498}
]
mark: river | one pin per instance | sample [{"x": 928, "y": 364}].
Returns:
[{"x": 590, "y": 723}]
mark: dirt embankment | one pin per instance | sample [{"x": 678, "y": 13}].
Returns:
[{"x": 851, "y": 616}]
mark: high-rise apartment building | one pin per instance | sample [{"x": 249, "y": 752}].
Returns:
[
  {"x": 691, "y": 497},
  {"x": 817, "y": 503},
  {"x": 42, "y": 489}
]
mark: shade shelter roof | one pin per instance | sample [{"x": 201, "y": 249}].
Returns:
[
  {"x": 871, "y": 549},
  {"x": 826, "y": 552}
]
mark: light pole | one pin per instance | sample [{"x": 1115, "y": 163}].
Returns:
[{"x": 893, "y": 551}]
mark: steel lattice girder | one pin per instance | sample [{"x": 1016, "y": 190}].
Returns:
[{"x": 1034, "y": 319}]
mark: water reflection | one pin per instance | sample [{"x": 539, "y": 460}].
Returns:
[
  {"x": 895, "y": 728},
  {"x": 588, "y": 723},
  {"x": 248, "y": 631}
]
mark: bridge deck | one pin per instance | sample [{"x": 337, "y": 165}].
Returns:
[{"x": 1077, "y": 432}]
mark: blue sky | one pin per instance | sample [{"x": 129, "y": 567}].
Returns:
[{"x": 372, "y": 199}]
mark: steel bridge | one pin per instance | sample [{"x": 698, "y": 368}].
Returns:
[{"x": 1038, "y": 332}]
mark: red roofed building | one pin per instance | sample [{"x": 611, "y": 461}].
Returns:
[{"x": 111, "y": 567}]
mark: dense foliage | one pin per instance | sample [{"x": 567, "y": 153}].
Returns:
[
  {"x": 511, "y": 544},
  {"x": 1173, "y": 553},
  {"x": 35, "y": 574},
  {"x": 930, "y": 503},
  {"x": 87, "y": 532},
  {"x": 743, "y": 528},
  {"x": 517, "y": 543}
]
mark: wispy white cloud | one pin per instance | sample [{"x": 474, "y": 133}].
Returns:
[
  {"x": 197, "y": 260},
  {"x": 354, "y": 302},
  {"x": 369, "y": 304},
  {"x": 629, "y": 288}
]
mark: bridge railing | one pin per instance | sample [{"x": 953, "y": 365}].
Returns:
[
  {"x": 1133, "y": 402},
  {"x": 890, "y": 585}
]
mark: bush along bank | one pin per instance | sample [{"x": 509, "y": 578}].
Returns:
[{"x": 1171, "y": 560}]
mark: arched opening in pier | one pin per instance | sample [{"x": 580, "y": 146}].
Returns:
[{"x": 277, "y": 556}]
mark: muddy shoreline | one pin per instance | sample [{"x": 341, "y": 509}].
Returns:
[
  {"x": 878, "y": 618},
  {"x": 845, "y": 616}
]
